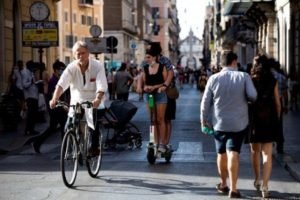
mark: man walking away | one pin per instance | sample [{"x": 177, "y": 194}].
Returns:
[{"x": 227, "y": 94}]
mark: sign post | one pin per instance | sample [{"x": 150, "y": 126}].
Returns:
[
  {"x": 112, "y": 43},
  {"x": 96, "y": 44},
  {"x": 40, "y": 33},
  {"x": 133, "y": 46}
]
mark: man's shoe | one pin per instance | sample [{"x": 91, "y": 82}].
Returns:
[
  {"x": 222, "y": 190},
  {"x": 36, "y": 146},
  {"x": 233, "y": 194}
]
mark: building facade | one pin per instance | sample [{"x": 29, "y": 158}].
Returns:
[
  {"x": 120, "y": 21},
  {"x": 75, "y": 19},
  {"x": 268, "y": 27},
  {"x": 135, "y": 23},
  {"x": 191, "y": 52},
  {"x": 166, "y": 27}
]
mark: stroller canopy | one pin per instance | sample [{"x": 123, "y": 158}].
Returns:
[{"x": 123, "y": 111}]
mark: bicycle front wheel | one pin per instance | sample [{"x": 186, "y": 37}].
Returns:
[
  {"x": 69, "y": 159},
  {"x": 93, "y": 162}
]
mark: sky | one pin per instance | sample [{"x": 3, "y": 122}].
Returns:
[{"x": 191, "y": 15}]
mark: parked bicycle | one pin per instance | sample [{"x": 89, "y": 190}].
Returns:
[{"x": 75, "y": 144}]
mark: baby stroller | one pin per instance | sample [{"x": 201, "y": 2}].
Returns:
[{"x": 117, "y": 118}]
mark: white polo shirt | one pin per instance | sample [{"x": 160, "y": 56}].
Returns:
[{"x": 83, "y": 88}]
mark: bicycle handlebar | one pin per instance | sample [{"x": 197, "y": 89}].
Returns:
[{"x": 66, "y": 105}]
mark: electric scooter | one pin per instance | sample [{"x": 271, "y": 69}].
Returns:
[{"x": 152, "y": 152}]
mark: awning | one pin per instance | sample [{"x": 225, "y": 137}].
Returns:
[
  {"x": 240, "y": 7},
  {"x": 230, "y": 36}
]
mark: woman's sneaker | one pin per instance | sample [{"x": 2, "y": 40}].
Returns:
[{"x": 161, "y": 148}]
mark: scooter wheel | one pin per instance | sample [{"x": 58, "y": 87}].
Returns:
[
  {"x": 130, "y": 145},
  {"x": 150, "y": 156},
  {"x": 168, "y": 156}
]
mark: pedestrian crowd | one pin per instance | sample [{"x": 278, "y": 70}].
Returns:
[
  {"x": 31, "y": 85},
  {"x": 28, "y": 85},
  {"x": 240, "y": 106}
]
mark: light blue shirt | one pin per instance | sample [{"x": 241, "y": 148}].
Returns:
[{"x": 225, "y": 100}]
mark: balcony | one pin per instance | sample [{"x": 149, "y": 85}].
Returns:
[
  {"x": 129, "y": 26},
  {"x": 86, "y": 3},
  {"x": 240, "y": 7}
]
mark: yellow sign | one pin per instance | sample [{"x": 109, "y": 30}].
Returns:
[{"x": 40, "y": 34}]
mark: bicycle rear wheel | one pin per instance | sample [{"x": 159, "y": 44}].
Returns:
[
  {"x": 69, "y": 159},
  {"x": 93, "y": 162}
]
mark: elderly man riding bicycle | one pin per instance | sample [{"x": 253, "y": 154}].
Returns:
[{"x": 87, "y": 81}]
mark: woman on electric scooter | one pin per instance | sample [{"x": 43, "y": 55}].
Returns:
[{"x": 153, "y": 79}]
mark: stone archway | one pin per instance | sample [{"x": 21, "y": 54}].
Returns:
[{"x": 191, "y": 63}]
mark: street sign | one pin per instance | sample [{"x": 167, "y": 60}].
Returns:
[
  {"x": 132, "y": 44},
  {"x": 39, "y": 34},
  {"x": 96, "y": 45},
  {"x": 111, "y": 44},
  {"x": 112, "y": 41}
]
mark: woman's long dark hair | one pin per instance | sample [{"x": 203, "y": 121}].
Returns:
[{"x": 261, "y": 71}]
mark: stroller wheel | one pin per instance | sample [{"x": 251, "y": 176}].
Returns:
[
  {"x": 138, "y": 142},
  {"x": 130, "y": 145}
]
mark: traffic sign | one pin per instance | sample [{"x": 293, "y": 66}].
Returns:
[
  {"x": 111, "y": 44},
  {"x": 96, "y": 45},
  {"x": 132, "y": 44},
  {"x": 40, "y": 34}
]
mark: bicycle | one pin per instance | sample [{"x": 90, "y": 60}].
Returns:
[{"x": 75, "y": 144}]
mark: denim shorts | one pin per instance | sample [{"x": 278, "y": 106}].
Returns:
[
  {"x": 159, "y": 98},
  {"x": 231, "y": 141}
]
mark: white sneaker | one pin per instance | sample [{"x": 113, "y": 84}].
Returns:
[
  {"x": 161, "y": 148},
  {"x": 169, "y": 147}
]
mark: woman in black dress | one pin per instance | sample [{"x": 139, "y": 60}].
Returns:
[{"x": 266, "y": 112}]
